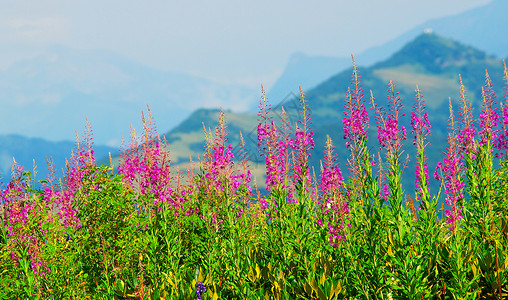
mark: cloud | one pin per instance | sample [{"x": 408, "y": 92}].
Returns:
[{"x": 41, "y": 30}]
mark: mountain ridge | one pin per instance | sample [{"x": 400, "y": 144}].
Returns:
[
  {"x": 480, "y": 27},
  {"x": 28, "y": 151}
]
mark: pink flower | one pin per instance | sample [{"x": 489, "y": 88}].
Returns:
[
  {"x": 385, "y": 193},
  {"x": 390, "y": 136},
  {"x": 488, "y": 115},
  {"x": 356, "y": 121},
  {"x": 302, "y": 143},
  {"x": 273, "y": 145},
  {"x": 452, "y": 170}
]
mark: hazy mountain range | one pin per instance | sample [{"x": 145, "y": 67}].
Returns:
[
  {"x": 483, "y": 28},
  {"x": 50, "y": 95},
  {"x": 44, "y": 102},
  {"x": 27, "y": 151},
  {"x": 47, "y": 96}
]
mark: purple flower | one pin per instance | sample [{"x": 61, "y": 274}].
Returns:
[
  {"x": 200, "y": 289},
  {"x": 356, "y": 124},
  {"x": 452, "y": 169},
  {"x": 335, "y": 233},
  {"x": 390, "y": 136},
  {"x": 274, "y": 152},
  {"x": 385, "y": 193},
  {"x": 418, "y": 176},
  {"x": 488, "y": 115},
  {"x": 420, "y": 126},
  {"x": 501, "y": 142},
  {"x": 420, "y": 129},
  {"x": 274, "y": 146},
  {"x": 356, "y": 121},
  {"x": 19, "y": 212},
  {"x": 466, "y": 131},
  {"x": 333, "y": 195}
]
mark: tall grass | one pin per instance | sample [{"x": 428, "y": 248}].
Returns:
[{"x": 151, "y": 231}]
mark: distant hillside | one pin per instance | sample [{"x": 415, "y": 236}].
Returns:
[
  {"x": 188, "y": 137},
  {"x": 431, "y": 61},
  {"x": 27, "y": 150},
  {"x": 482, "y": 27}
]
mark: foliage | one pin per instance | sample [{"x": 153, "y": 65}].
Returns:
[{"x": 152, "y": 231}]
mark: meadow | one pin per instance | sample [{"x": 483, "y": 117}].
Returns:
[{"x": 146, "y": 229}]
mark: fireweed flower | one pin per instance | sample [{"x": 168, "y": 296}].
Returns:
[
  {"x": 356, "y": 124},
  {"x": 302, "y": 143},
  {"x": 452, "y": 170},
  {"x": 332, "y": 194},
  {"x": 480, "y": 172},
  {"x": 81, "y": 166},
  {"x": 488, "y": 115},
  {"x": 385, "y": 192},
  {"x": 390, "y": 136},
  {"x": 219, "y": 163},
  {"x": 420, "y": 129},
  {"x": 356, "y": 120},
  {"x": 466, "y": 131},
  {"x": 19, "y": 212},
  {"x": 335, "y": 233},
  {"x": 274, "y": 158},
  {"x": 331, "y": 181},
  {"x": 421, "y": 177},
  {"x": 501, "y": 142},
  {"x": 221, "y": 183},
  {"x": 273, "y": 145},
  {"x": 146, "y": 168}
]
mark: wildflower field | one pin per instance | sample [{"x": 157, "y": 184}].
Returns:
[{"x": 148, "y": 230}]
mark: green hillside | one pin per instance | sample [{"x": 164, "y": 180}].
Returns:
[{"x": 430, "y": 61}]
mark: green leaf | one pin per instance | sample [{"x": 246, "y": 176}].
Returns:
[
  {"x": 389, "y": 250},
  {"x": 307, "y": 288},
  {"x": 252, "y": 275},
  {"x": 314, "y": 285},
  {"x": 121, "y": 288},
  {"x": 323, "y": 279}
]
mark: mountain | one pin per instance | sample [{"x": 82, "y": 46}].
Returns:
[
  {"x": 431, "y": 61},
  {"x": 482, "y": 27},
  {"x": 63, "y": 86},
  {"x": 27, "y": 151}
]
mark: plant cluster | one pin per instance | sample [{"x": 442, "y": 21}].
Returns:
[{"x": 153, "y": 231}]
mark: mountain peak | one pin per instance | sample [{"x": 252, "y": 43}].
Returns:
[{"x": 434, "y": 53}]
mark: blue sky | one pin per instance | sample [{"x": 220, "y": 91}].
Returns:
[{"x": 245, "y": 42}]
